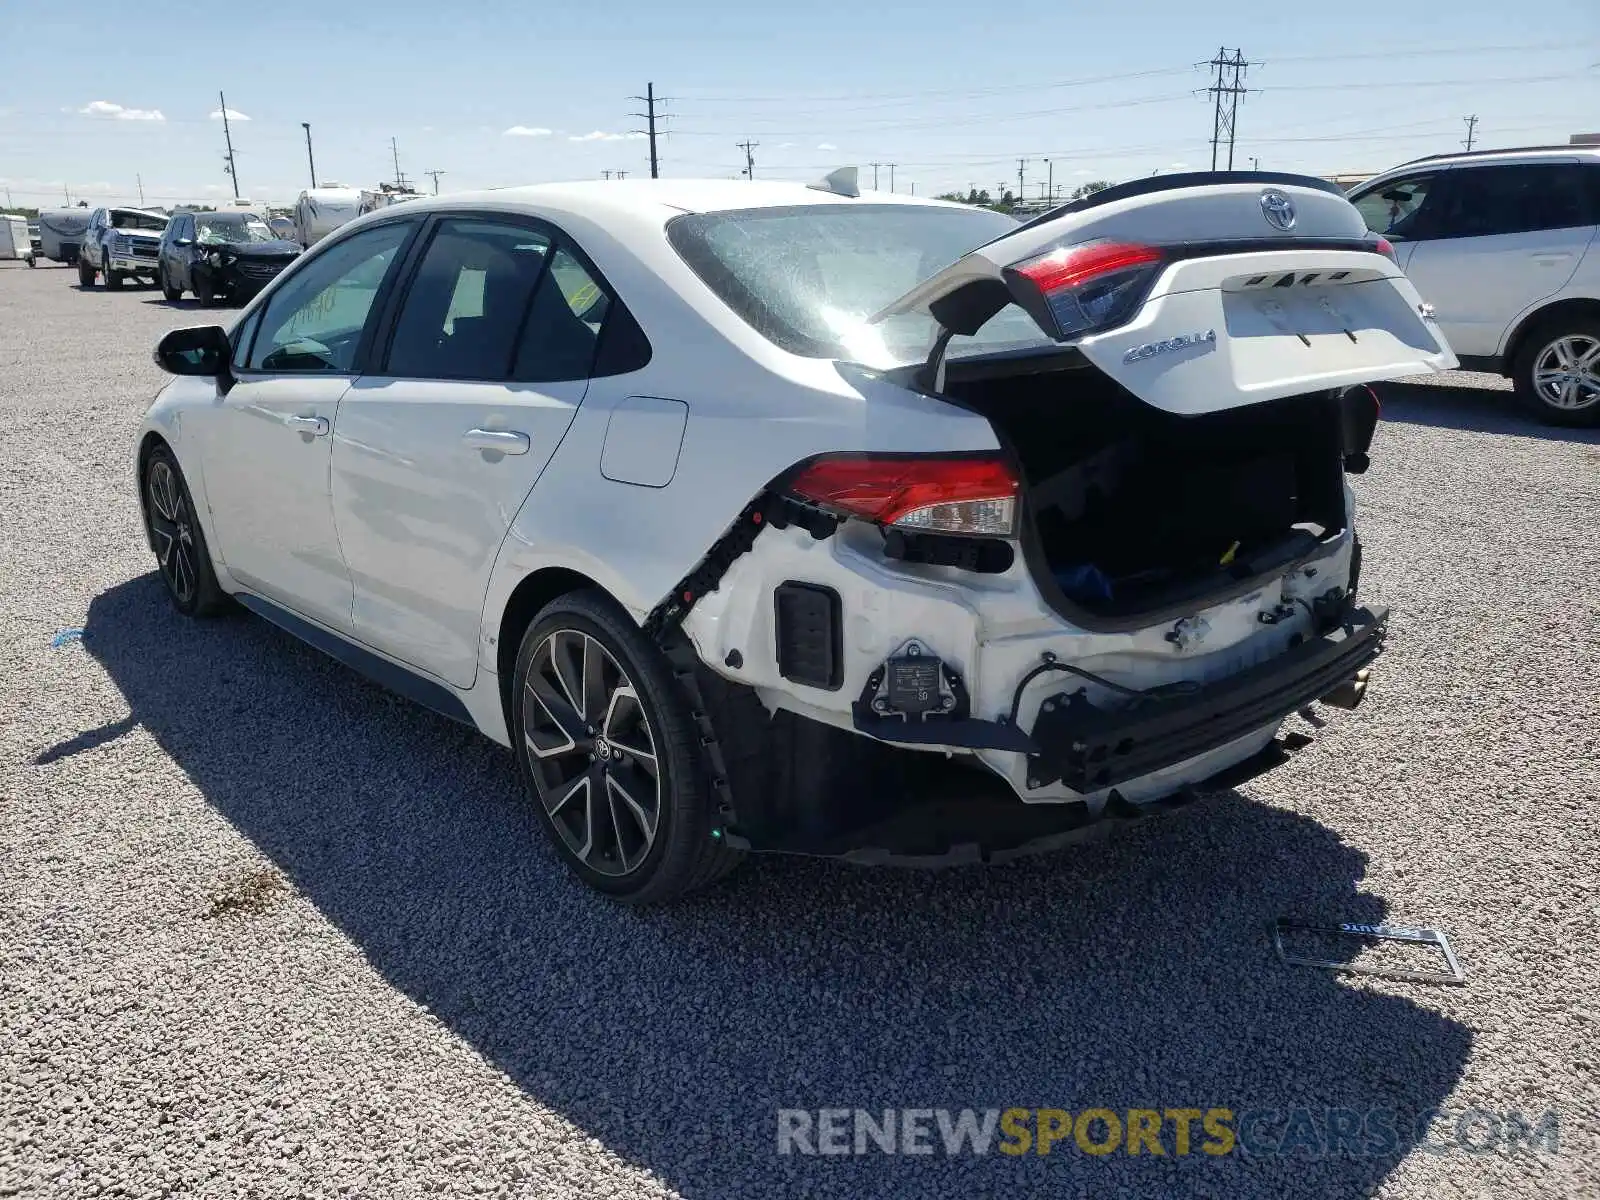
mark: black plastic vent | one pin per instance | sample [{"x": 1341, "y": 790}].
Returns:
[{"x": 809, "y": 634}]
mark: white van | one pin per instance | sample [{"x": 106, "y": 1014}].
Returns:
[{"x": 319, "y": 211}]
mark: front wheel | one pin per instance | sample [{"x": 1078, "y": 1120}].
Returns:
[
  {"x": 1557, "y": 374},
  {"x": 179, "y": 542},
  {"x": 113, "y": 279},
  {"x": 167, "y": 290},
  {"x": 609, "y": 753},
  {"x": 202, "y": 288},
  {"x": 85, "y": 273}
]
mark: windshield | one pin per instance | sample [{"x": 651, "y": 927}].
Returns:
[
  {"x": 232, "y": 227},
  {"x": 136, "y": 220},
  {"x": 807, "y": 278}
]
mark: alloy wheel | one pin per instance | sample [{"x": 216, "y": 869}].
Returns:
[
  {"x": 1566, "y": 375},
  {"x": 173, "y": 533},
  {"x": 593, "y": 752}
]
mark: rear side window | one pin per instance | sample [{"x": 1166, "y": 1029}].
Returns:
[
  {"x": 495, "y": 301},
  {"x": 1488, "y": 201}
]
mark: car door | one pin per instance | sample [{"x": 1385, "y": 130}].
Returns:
[
  {"x": 266, "y": 438},
  {"x": 1497, "y": 241},
  {"x": 488, "y": 357}
]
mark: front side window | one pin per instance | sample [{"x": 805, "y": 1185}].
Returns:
[
  {"x": 314, "y": 320},
  {"x": 1393, "y": 209},
  {"x": 1488, "y": 201},
  {"x": 807, "y": 278}
]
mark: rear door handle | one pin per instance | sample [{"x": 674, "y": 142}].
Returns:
[
  {"x": 502, "y": 441},
  {"x": 315, "y": 426},
  {"x": 1551, "y": 257}
]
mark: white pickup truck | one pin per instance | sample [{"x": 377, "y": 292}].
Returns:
[{"x": 120, "y": 243}]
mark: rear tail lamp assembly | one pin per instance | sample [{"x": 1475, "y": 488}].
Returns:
[
  {"x": 1073, "y": 291},
  {"x": 972, "y": 495}
]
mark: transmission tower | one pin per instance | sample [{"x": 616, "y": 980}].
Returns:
[
  {"x": 650, "y": 116},
  {"x": 1226, "y": 89}
]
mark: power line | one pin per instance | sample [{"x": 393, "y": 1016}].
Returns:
[
  {"x": 1472, "y": 126},
  {"x": 650, "y": 116},
  {"x": 1226, "y": 90}
]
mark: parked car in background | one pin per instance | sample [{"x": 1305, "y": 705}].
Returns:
[
  {"x": 678, "y": 487},
  {"x": 61, "y": 233},
  {"x": 282, "y": 226},
  {"x": 14, "y": 241},
  {"x": 227, "y": 255},
  {"x": 119, "y": 244},
  {"x": 319, "y": 211},
  {"x": 1502, "y": 244}
]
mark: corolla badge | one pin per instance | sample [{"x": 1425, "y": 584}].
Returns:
[
  {"x": 1182, "y": 342},
  {"x": 1278, "y": 210}
]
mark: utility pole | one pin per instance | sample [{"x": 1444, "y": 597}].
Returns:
[
  {"x": 434, "y": 175},
  {"x": 891, "y": 167},
  {"x": 749, "y": 157},
  {"x": 399, "y": 176},
  {"x": 622, "y": 174},
  {"x": 874, "y": 167},
  {"x": 1226, "y": 89},
  {"x": 1022, "y": 165},
  {"x": 1472, "y": 128},
  {"x": 310, "y": 162},
  {"x": 606, "y": 174},
  {"x": 1255, "y": 163},
  {"x": 650, "y": 100},
  {"x": 227, "y": 136},
  {"x": 1050, "y": 180},
  {"x": 138, "y": 179}
]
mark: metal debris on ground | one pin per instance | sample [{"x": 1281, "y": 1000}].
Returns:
[{"x": 1410, "y": 935}]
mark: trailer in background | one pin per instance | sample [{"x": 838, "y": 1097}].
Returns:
[
  {"x": 61, "y": 233},
  {"x": 14, "y": 240}
]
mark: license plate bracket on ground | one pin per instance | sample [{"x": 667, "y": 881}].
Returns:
[{"x": 1409, "y": 934}]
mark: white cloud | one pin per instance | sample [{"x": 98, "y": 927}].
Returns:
[
  {"x": 527, "y": 131},
  {"x": 233, "y": 115},
  {"x": 1177, "y": 166},
  {"x": 786, "y": 145},
  {"x": 601, "y": 136},
  {"x": 826, "y": 146},
  {"x": 104, "y": 108}
]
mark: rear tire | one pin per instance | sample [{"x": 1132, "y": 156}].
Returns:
[
  {"x": 610, "y": 756},
  {"x": 182, "y": 557},
  {"x": 1557, "y": 372}
]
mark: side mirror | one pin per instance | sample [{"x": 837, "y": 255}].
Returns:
[
  {"x": 197, "y": 350},
  {"x": 183, "y": 241}
]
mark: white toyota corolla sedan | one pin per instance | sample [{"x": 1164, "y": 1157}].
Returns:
[{"x": 756, "y": 516}]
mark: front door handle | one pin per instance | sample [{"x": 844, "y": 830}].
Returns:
[
  {"x": 1551, "y": 257},
  {"x": 315, "y": 426},
  {"x": 502, "y": 441}
]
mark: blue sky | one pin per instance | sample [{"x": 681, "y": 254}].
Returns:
[{"x": 953, "y": 94}]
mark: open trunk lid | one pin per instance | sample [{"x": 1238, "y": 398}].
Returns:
[{"x": 1200, "y": 292}]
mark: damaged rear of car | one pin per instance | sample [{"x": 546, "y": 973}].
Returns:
[{"x": 1125, "y": 597}]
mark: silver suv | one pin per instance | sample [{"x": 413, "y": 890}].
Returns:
[{"x": 1502, "y": 244}]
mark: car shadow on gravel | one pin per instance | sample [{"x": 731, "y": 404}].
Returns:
[
  {"x": 1134, "y": 972},
  {"x": 1473, "y": 410}
]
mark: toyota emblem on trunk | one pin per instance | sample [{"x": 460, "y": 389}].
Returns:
[{"x": 1278, "y": 209}]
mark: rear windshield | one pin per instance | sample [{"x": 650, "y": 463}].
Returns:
[{"x": 807, "y": 277}]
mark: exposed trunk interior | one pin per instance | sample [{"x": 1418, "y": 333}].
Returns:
[{"x": 1134, "y": 510}]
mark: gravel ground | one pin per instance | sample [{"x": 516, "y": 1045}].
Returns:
[{"x": 267, "y": 931}]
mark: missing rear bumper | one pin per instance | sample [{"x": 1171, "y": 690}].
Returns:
[{"x": 1089, "y": 748}]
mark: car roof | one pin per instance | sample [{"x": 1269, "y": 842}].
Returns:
[
  {"x": 1507, "y": 154},
  {"x": 662, "y": 198}
]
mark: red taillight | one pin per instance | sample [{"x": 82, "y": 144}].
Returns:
[
  {"x": 1073, "y": 291},
  {"x": 1073, "y": 265},
  {"x": 1386, "y": 248},
  {"x": 975, "y": 495}
]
